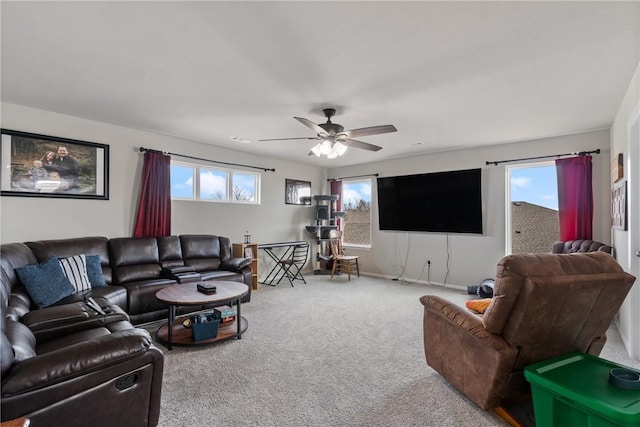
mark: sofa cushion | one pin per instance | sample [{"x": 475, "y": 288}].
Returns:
[
  {"x": 202, "y": 252},
  {"x": 44, "y": 249},
  {"x": 142, "y": 295},
  {"x": 134, "y": 259},
  {"x": 45, "y": 283},
  {"x": 89, "y": 269},
  {"x": 221, "y": 275},
  {"x": 75, "y": 268},
  {"x": 170, "y": 251},
  {"x": 94, "y": 271}
]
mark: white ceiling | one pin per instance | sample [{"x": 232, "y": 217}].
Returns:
[{"x": 447, "y": 74}]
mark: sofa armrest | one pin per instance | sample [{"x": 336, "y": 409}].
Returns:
[
  {"x": 56, "y": 321},
  {"x": 55, "y": 316},
  {"x": 73, "y": 361},
  {"x": 235, "y": 265},
  {"x": 178, "y": 269}
]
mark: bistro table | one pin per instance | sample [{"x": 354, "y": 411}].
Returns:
[{"x": 278, "y": 252}]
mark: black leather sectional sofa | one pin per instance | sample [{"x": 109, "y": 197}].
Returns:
[{"x": 68, "y": 364}]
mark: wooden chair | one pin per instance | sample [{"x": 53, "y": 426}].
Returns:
[{"x": 341, "y": 261}]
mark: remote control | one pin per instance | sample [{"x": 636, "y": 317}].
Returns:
[{"x": 94, "y": 305}]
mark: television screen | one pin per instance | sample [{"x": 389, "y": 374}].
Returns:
[{"x": 446, "y": 202}]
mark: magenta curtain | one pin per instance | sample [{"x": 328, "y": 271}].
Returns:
[
  {"x": 336, "y": 188},
  {"x": 154, "y": 208},
  {"x": 575, "y": 198}
]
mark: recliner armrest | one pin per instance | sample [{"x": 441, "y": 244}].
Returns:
[
  {"x": 235, "y": 265},
  {"x": 172, "y": 271},
  {"x": 459, "y": 348},
  {"x": 73, "y": 361},
  {"x": 56, "y": 321},
  {"x": 462, "y": 318},
  {"x": 55, "y": 316}
]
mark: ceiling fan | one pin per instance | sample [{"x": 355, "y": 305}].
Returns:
[{"x": 333, "y": 139}]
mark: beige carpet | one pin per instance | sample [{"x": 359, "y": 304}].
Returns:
[{"x": 328, "y": 353}]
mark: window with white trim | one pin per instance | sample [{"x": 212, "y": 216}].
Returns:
[
  {"x": 356, "y": 202},
  {"x": 204, "y": 183}
]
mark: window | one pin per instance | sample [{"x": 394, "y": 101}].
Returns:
[
  {"x": 356, "y": 202},
  {"x": 213, "y": 184},
  {"x": 182, "y": 181},
  {"x": 194, "y": 182},
  {"x": 532, "y": 211}
]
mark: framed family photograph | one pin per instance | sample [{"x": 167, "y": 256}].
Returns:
[
  {"x": 46, "y": 166},
  {"x": 297, "y": 192}
]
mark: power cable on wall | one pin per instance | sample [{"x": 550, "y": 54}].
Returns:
[
  {"x": 448, "y": 256},
  {"x": 427, "y": 263},
  {"x": 406, "y": 258}
]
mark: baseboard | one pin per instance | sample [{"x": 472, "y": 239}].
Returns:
[{"x": 409, "y": 280}]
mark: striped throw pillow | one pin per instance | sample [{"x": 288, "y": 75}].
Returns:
[{"x": 75, "y": 268}]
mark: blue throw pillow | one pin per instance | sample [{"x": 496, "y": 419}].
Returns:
[
  {"x": 45, "y": 283},
  {"x": 94, "y": 271}
]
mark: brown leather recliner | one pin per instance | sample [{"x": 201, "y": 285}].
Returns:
[{"x": 544, "y": 305}]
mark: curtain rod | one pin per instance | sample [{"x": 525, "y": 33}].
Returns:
[
  {"x": 580, "y": 153},
  {"x": 349, "y": 177},
  {"x": 142, "y": 149}
]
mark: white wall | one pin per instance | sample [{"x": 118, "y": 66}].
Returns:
[
  {"x": 468, "y": 259},
  {"x": 628, "y": 242},
  {"x": 29, "y": 218}
]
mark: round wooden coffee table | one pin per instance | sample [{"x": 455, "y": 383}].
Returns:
[{"x": 186, "y": 294}]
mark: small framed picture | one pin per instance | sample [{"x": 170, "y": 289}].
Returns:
[
  {"x": 297, "y": 192},
  {"x": 248, "y": 252},
  {"x": 619, "y": 206}
]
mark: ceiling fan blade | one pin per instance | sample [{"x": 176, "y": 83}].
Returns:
[
  {"x": 359, "y": 144},
  {"x": 308, "y": 123},
  {"x": 314, "y": 138},
  {"x": 371, "y": 130}
]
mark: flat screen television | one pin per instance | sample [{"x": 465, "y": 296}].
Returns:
[{"x": 445, "y": 202}]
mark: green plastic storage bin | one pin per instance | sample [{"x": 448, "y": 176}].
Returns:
[{"x": 574, "y": 390}]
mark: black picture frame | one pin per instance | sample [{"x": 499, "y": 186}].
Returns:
[
  {"x": 297, "y": 192},
  {"x": 29, "y": 171}
]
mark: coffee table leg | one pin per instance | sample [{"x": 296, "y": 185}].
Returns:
[
  {"x": 238, "y": 321},
  {"x": 172, "y": 318}
]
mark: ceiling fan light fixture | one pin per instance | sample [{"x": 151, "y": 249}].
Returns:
[
  {"x": 325, "y": 147},
  {"x": 339, "y": 148},
  {"x": 316, "y": 150},
  {"x": 332, "y": 138}
]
